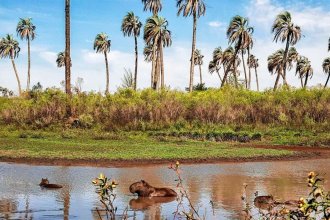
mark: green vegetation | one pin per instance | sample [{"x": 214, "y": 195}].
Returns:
[{"x": 90, "y": 145}]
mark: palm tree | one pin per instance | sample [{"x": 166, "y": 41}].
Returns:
[
  {"x": 157, "y": 36},
  {"x": 239, "y": 33},
  {"x": 195, "y": 8},
  {"x": 102, "y": 45},
  {"x": 216, "y": 62},
  {"x": 153, "y": 6},
  {"x": 329, "y": 44},
  {"x": 199, "y": 62},
  {"x": 326, "y": 69},
  {"x": 67, "y": 48},
  {"x": 230, "y": 62},
  {"x": 9, "y": 48},
  {"x": 26, "y": 31},
  {"x": 60, "y": 61},
  {"x": 285, "y": 31},
  {"x": 131, "y": 26},
  {"x": 304, "y": 69},
  {"x": 275, "y": 65},
  {"x": 147, "y": 52},
  {"x": 253, "y": 62}
]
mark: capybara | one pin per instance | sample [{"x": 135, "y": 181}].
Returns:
[
  {"x": 45, "y": 183},
  {"x": 143, "y": 189}
]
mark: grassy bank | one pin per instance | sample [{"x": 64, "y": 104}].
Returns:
[{"x": 73, "y": 145}]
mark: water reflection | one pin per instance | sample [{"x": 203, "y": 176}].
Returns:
[{"x": 22, "y": 198}]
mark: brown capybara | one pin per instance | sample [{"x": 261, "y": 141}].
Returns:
[
  {"x": 143, "y": 189},
  {"x": 143, "y": 203},
  {"x": 45, "y": 183}
]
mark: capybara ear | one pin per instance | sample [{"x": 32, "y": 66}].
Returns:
[{"x": 143, "y": 182}]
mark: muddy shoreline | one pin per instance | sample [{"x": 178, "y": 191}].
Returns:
[{"x": 300, "y": 153}]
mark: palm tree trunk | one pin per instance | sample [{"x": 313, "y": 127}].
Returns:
[
  {"x": 162, "y": 66},
  {"x": 17, "y": 77},
  {"x": 306, "y": 79},
  {"x": 248, "y": 50},
  {"x": 136, "y": 62},
  {"x": 200, "y": 74},
  {"x": 107, "y": 72},
  {"x": 301, "y": 81},
  {"x": 29, "y": 65},
  {"x": 246, "y": 79},
  {"x": 284, "y": 60},
  {"x": 276, "y": 81},
  {"x": 67, "y": 49},
  {"x": 153, "y": 69},
  {"x": 225, "y": 75},
  {"x": 157, "y": 72},
  {"x": 326, "y": 83},
  {"x": 257, "y": 81},
  {"x": 193, "y": 47},
  {"x": 219, "y": 77}
]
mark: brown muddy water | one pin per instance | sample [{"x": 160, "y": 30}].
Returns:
[{"x": 22, "y": 198}]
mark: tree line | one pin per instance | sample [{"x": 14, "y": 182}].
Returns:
[{"x": 157, "y": 36}]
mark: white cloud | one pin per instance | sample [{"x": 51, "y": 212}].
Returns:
[{"x": 215, "y": 24}]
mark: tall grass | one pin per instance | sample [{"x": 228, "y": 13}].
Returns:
[{"x": 150, "y": 110}]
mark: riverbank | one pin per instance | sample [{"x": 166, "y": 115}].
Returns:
[{"x": 96, "y": 148}]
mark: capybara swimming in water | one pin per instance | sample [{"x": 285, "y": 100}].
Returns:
[
  {"x": 45, "y": 183},
  {"x": 143, "y": 189}
]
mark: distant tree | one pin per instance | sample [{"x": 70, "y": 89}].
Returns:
[
  {"x": 9, "y": 48},
  {"x": 26, "y": 31},
  {"x": 78, "y": 85},
  {"x": 102, "y": 45},
  {"x": 199, "y": 62},
  {"x": 131, "y": 26},
  {"x": 304, "y": 69},
  {"x": 239, "y": 33},
  {"x": 60, "y": 61},
  {"x": 216, "y": 62},
  {"x": 128, "y": 80},
  {"x": 326, "y": 69},
  {"x": 195, "y": 8},
  {"x": 253, "y": 63},
  {"x": 285, "y": 31},
  {"x": 6, "y": 92}
]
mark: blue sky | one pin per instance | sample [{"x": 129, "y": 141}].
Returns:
[{"x": 89, "y": 18}]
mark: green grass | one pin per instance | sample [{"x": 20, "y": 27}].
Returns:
[{"x": 79, "y": 144}]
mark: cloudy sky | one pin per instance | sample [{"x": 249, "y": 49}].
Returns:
[{"x": 90, "y": 18}]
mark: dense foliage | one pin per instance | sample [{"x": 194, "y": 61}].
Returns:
[{"x": 150, "y": 110}]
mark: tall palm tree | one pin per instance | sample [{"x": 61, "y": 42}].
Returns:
[
  {"x": 157, "y": 36},
  {"x": 9, "y": 48},
  {"x": 131, "y": 26},
  {"x": 26, "y": 31},
  {"x": 60, "y": 61},
  {"x": 285, "y": 31},
  {"x": 253, "y": 63},
  {"x": 102, "y": 45},
  {"x": 240, "y": 33},
  {"x": 195, "y": 8},
  {"x": 275, "y": 65},
  {"x": 304, "y": 69},
  {"x": 153, "y": 6},
  {"x": 326, "y": 69},
  {"x": 199, "y": 62},
  {"x": 230, "y": 62},
  {"x": 67, "y": 48}
]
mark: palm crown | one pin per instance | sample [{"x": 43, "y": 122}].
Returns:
[
  {"x": 131, "y": 25},
  {"x": 153, "y": 6},
  {"x": 284, "y": 29},
  {"x": 239, "y": 33},
  {"x": 191, "y": 7},
  {"x": 9, "y": 47},
  {"x": 25, "y": 29},
  {"x": 102, "y": 44},
  {"x": 155, "y": 30}
]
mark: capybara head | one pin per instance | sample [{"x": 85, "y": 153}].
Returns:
[
  {"x": 44, "y": 182},
  {"x": 140, "y": 187}
]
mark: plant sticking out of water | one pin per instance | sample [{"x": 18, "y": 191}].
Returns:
[
  {"x": 105, "y": 189},
  {"x": 181, "y": 210},
  {"x": 317, "y": 204}
]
